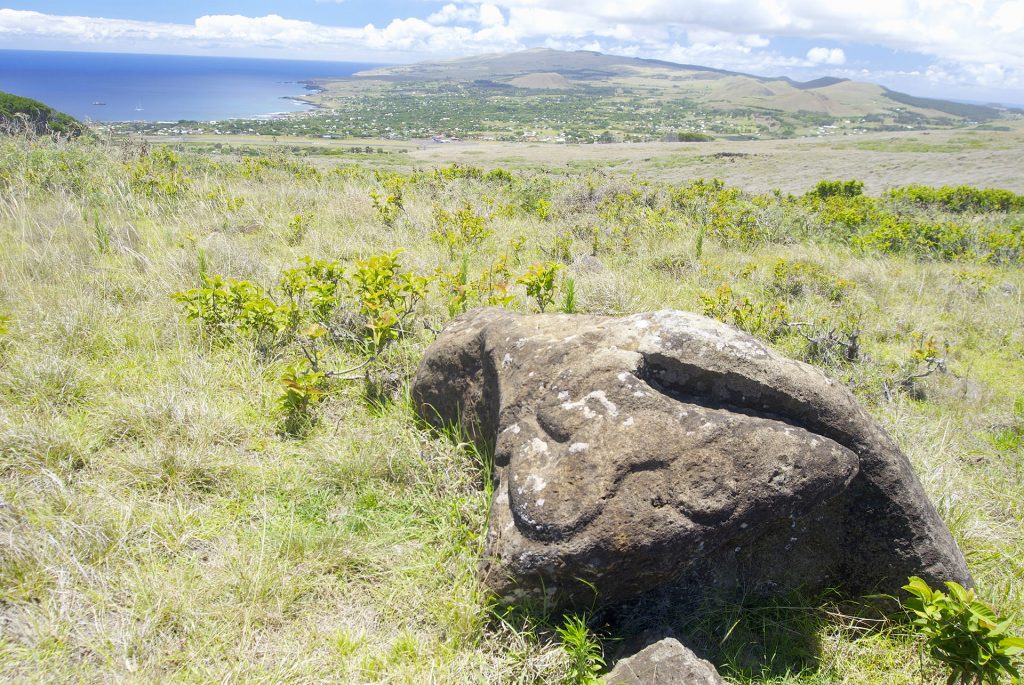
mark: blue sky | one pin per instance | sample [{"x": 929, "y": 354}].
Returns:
[{"x": 966, "y": 49}]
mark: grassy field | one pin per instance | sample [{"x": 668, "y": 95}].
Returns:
[
  {"x": 881, "y": 160},
  {"x": 167, "y": 514}
]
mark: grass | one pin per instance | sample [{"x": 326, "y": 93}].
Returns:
[{"x": 156, "y": 525}]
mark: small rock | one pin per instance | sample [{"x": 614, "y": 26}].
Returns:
[
  {"x": 588, "y": 263},
  {"x": 666, "y": 662}
]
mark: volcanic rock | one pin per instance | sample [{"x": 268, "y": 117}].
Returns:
[{"x": 665, "y": 447}]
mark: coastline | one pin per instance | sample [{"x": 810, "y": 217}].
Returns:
[{"x": 312, "y": 88}]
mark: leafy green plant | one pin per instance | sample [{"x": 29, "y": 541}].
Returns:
[
  {"x": 491, "y": 287},
  {"x": 389, "y": 204},
  {"x": 304, "y": 388},
  {"x": 586, "y": 657},
  {"x": 698, "y": 243},
  {"x": 298, "y": 226},
  {"x": 739, "y": 224},
  {"x": 540, "y": 282},
  {"x": 768, "y": 320},
  {"x": 459, "y": 230},
  {"x": 959, "y": 198},
  {"x": 633, "y": 215},
  {"x": 826, "y": 189},
  {"x": 924, "y": 348},
  {"x": 569, "y": 296},
  {"x": 904, "y": 235},
  {"x": 386, "y": 297},
  {"x": 793, "y": 278},
  {"x": 542, "y": 209},
  {"x": 101, "y": 232},
  {"x": 160, "y": 174},
  {"x": 224, "y": 305},
  {"x": 455, "y": 287},
  {"x": 561, "y": 248},
  {"x": 963, "y": 633}
]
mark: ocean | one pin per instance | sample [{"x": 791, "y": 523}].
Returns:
[{"x": 162, "y": 87}]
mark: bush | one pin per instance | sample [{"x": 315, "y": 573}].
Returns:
[
  {"x": 963, "y": 633},
  {"x": 904, "y": 235},
  {"x": 794, "y": 278},
  {"x": 958, "y": 198},
  {"x": 826, "y": 189},
  {"x": 767, "y": 320}
]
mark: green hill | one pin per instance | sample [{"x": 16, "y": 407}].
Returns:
[
  {"x": 17, "y": 111},
  {"x": 704, "y": 86}
]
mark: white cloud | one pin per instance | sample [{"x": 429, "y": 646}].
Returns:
[
  {"x": 484, "y": 15},
  {"x": 410, "y": 36},
  {"x": 490, "y": 15},
  {"x": 826, "y": 56},
  {"x": 962, "y": 31},
  {"x": 449, "y": 14}
]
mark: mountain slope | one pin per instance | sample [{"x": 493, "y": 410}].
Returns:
[{"x": 703, "y": 85}]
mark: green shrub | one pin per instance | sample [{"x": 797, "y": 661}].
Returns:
[
  {"x": 224, "y": 306},
  {"x": 904, "y": 235},
  {"x": 160, "y": 174},
  {"x": 585, "y": 655},
  {"x": 1002, "y": 245},
  {"x": 794, "y": 278},
  {"x": 766, "y": 320},
  {"x": 958, "y": 198},
  {"x": 383, "y": 298},
  {"x": 304, "y": 388},
  {"x": 693, "y": 137},
  {"x": 460, "y": 230},
  {"x": 826, "y": 189},
  {"x": 389, "y": 204},
  {"x": 632, "y": 216},
  {"x": 841, "y": 214},
  {"x": 963, "y": 633},
  {"x": 540, "y": 282},
  {"x": 387, "y": 298}
]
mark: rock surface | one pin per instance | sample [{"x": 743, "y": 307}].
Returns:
[
  {"x": 667, "y": 447},
  {"x": 666, "y": 662}
]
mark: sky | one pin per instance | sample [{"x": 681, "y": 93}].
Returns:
[{"x": 961, "y": 49}]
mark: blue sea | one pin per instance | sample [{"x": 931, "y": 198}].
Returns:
[{"x": 162, "y": 87}]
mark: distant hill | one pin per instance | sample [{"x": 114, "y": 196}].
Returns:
[
  {"x": 717, "y": 88},
  {"x": 17, "y": 112}
]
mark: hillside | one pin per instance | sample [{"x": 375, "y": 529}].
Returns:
[
  {"x": 17, "y": 112},
  {"x": 703, "y": 85}
]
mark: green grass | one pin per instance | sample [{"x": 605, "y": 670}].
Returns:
[
  {"x": 953, "y": 145},
  {"x": 158, "y": 526}
]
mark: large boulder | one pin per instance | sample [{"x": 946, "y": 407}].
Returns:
[{"x": 666, "y": 447}]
